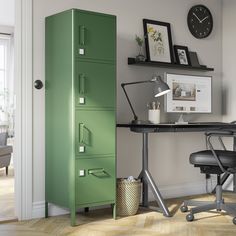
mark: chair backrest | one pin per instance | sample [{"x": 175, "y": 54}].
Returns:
[{"x": 3, "y": 139}]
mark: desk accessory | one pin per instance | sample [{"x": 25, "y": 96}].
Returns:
[
  {"x": 154, "y": 112},
  {"x": 160, "y": 89}
]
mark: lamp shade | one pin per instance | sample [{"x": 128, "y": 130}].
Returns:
[{"x": 161, "y": 87}]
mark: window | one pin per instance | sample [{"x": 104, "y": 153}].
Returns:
[{"x": 6, "y": 78}]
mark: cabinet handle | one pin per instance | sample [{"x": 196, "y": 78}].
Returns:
[
  {"x": 82, "y": 83},
  {"x": 81, "y": 133},
  {"x": 82, "y": 35},
  {"x": 98, "y": 172}
]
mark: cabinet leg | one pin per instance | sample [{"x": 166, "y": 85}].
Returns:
[
  {"x": 86, "y": 209},
  {"x": 114, "y": 211},
  {"x": 46, "y": 209},
  {"x": 73, "y": 218}
]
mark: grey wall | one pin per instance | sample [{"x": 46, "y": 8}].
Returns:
[
  {"x": 229, "y": 63},
  {"x": 168, "y": 152},
  {"x": 229, "y": 60}
]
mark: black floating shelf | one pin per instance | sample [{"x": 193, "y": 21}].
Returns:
[{"x": 132, "y": 61}]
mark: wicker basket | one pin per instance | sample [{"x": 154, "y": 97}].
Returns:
[{"x": 128, "y": 197}]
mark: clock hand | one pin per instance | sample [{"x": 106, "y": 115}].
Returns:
[
  {"x": 204, "y": 19},
  {"x": 197, "y": 17}
]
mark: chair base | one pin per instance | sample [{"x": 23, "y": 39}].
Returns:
[{"x": 202, "y": 206}]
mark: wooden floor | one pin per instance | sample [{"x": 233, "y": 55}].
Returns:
[
  {"x": 7, "y": 195},
  {"x": 146, "y": 222}
]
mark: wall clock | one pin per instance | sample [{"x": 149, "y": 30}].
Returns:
[{"x": 200, "y": 21}]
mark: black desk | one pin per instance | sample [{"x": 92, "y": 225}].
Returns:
[{"x": 145, "y": 175}]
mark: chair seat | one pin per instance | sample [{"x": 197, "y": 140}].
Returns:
[
  {"x": 206, "y": 158},
  {"x": 5, "y": 150}
]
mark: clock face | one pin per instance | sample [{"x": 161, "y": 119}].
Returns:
[{"x": 200, "y": 21}]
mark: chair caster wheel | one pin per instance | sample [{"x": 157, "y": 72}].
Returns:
[
  {"x": 234, "y": 220},
  {"x": 190, "y": 217},
  {"x": 184, "y": 208}
]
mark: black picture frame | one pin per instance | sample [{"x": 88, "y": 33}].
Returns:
[
  {"x": 182, "y": 55},
  {"x": 194, "y": 59},
  {"x": 158, "y": 41}
]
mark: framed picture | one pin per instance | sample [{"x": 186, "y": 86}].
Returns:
[
  {"x": 194, "y": 59},
  {"x": 182, "y": 55},
  {"x": 158, "y": 41}
]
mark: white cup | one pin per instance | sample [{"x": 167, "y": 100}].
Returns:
[{"x": 154, "y": 116}]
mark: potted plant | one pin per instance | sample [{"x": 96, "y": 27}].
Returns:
[{"x": 140, "y": 56}]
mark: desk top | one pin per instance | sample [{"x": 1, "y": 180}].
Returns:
[{"x": 172, "y": 127}]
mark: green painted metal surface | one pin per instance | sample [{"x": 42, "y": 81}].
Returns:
[
  {"x": 95, "y": 132},
  {"x": 95, "y": 84},
  {"x": 71, "y": 75},
  {"x": 96, "y": 34},
  {"x": 59, "y": 107},
  {"x": 98, "y": 183}
]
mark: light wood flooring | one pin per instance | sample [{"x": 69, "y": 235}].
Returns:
[
  {"x": 7, "y": 195},
  {"x": 146, "y": 222}
]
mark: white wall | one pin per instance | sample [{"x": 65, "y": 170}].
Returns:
[
  {"x": 7, "y": 13},
  {"x": 169, "y": 152}
]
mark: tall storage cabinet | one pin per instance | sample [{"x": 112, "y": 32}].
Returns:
[{"x": 80, "y": 110}]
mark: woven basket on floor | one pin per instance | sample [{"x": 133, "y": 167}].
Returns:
[{"x": 128, "y": 197}]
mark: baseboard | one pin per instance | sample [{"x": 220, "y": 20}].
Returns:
[
  {"x": 38, "y": 210},
  {"x": 181, "y": 190},
  {"x": 170, "y": 191}
]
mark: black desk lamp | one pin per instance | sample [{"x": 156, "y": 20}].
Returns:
[{"x": 160, "y": 89}]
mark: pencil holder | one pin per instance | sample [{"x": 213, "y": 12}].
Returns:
[{"x": 154, "y": 116}]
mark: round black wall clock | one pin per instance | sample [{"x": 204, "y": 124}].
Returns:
[{"x": 200, "y": 21}]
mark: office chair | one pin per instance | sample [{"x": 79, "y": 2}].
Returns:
[{"x": 213, "y": 162}]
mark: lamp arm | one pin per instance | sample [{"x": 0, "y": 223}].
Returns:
[
  {"x": 137, "y": 82},
  {"x": 123, "y": 87}
]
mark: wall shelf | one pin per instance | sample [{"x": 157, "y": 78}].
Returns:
[{"x": 132, "y": 61}]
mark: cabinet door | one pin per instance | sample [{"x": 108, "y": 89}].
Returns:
[
  {"x": 95, "y": 35},
  {"x": 95, "y": 85},
  {"x": 95, "y": 133},
  {"x": 95, "y": 180}
]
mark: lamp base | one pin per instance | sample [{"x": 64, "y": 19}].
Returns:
[{"x": 140, "y": 122}]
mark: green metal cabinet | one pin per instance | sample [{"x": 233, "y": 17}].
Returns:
[
  {"x": 80, "y": 50},
  {"x": 95, "y": 133},
  {"x": 98, "y": 183},
  {"x": 94, "y": 33},
  {"x": 86, "y": 84}
]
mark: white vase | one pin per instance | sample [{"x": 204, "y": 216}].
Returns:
[{"x": 154, "y": 116}]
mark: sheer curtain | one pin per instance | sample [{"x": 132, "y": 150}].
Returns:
[{"x": 6, "y": 82}]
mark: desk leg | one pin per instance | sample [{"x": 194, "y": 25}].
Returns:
[
  {"x": 156, "y": 193},
  {"x": 145, "y": 167},
  {"x": 147, "y": 180}
]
